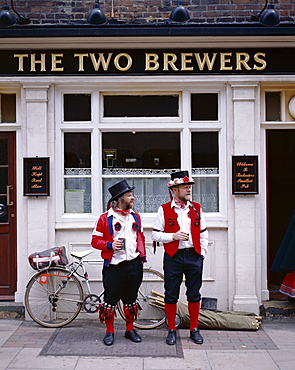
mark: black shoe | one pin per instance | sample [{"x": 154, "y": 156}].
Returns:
[
  {"x": 171, "y": 337},
  {"x": 196, "y": 336},
  {"x": 108, "y": 339},
  {"x": 133, "y": 336}
]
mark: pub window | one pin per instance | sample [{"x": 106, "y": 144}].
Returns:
[
  {"x": 205, "y": 170},
  {"x": 8, "y": 108},
  {"x": 145, "y": 159},
  {"x": 77, "y": 172},
  {"x": 77, "y": 107},
  {"x": 204, "y": 107},
  {"x": 141, "y": 105},
  {"x": 273, "y": 106}
]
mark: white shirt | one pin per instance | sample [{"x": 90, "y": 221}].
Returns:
[
  {"x": 126, "y": 231},
  {"x": 184, "y": 222}
]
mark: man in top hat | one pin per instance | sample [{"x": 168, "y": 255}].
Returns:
[
  {"x": 118, "y": 235},
  {"x": 181, "y": 227}
]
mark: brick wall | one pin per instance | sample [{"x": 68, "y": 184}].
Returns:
[{"x": 140, "y": 11}]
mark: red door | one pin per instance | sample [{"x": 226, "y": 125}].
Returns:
[{"x": 7, "y": 216}]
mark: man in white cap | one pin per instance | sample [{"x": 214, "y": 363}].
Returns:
[
  {"x": 118, "y": 235},
  {"x": 181, "y": 227}
]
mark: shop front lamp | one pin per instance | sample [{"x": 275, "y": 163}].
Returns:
[
  {"x": 96, "y": 16},
  {"x": 268, "y": 17},
  {"x": 180, "y": 13},
  {"x": 8, "y": 19}
]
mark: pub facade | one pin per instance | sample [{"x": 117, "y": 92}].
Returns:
[{"x": 84, "y": 106}]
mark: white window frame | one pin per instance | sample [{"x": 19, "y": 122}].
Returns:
[{"x": 100, "y": 124}]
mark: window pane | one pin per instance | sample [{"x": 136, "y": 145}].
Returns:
[
  {"x": 77, "y": 162},
  {"x": 77, "y": 107},
  {"x": 205, "y": 164},
  {"x": 141, "y": 106},
  {"x": 142, "y": 150},
  {"x": 205, "y": 150},
  {"x": 77, "y": 150},
  {"x": 3, "y": 209},
  {"x": 205, "y": 192},
  {"x": 4, "y": 180},
  {"x": 8, "y": 108},
  {"x": 204, "y": 107},
  {"x": 273, "y": 106},
  {"x": 4, "y": 151},
  {"x": 78, "y": 195},
  {"x": 148, "y": 157}
]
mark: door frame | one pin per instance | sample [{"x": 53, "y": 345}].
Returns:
[{"x": 11, "y": 226}]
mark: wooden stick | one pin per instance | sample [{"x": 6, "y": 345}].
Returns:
[{"x": 159, "y": 294}]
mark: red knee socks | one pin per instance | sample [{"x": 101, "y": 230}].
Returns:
[
  {"x": 194, "y": 310},
  {"x": 170, "y": 310},
  {"x": 129, "y": 318},
  {"x": 110, "y": 324}
]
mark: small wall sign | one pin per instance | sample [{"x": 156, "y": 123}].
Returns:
[
  {"x": 245, "y": 174},
  {"x": 36, "y": 176}
]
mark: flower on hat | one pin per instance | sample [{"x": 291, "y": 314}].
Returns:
[{"x": 180, "y": 181}]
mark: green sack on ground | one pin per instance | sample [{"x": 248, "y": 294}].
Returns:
[{"x": 226, "y": 320}]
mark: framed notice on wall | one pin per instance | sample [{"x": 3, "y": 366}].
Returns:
[
  {"x": 36, "y": 176},
  {"x": 245, "y": 174}
]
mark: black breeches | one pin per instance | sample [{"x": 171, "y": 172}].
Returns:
[
  {"x": 187, "y": 263},
  {"x": 122, "y": 281}
]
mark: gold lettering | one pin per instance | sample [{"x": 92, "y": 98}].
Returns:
[
  {"x": 244, "y": 164},
  {"x": 151, "y": 58},
  {"x": 36, "y": 180},
  {"x": 81, "y": 61},
  {"x": 184, "y": 61},
  {"x": 55, "y": 61},
  {"x": 241, "y": 61},
  {"x": 20, "y": 61},
  {"x": 36, "y": 168},
  {"x": 36, "y": 186},
  {"x": 101, "y": 60},
  {"x": 171, "y": 62},
  {"x": 129, "y": 62},
  {"x": 261, "y": 61},
  {"x": 34, "y": 62},
  {"x": 36, "y": 174},
  {"x": 223, "y": 61},
  {"x": 206, "y": 60},
  {"x": 244, "y": 175}
]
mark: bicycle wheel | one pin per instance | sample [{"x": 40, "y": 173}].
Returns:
[
  {"x": 53, "y": 298},
  {"x": 151, "y": 300}
]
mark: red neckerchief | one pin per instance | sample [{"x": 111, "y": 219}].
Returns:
[
  {"x": 180, "y": 204},
  {"x": 124, "y": 212}
]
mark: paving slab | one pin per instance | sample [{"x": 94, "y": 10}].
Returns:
[
  {"x": 28, "y": 358},
  {"x": 248, "y": 360}
]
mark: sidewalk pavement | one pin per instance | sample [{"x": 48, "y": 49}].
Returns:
[{"x": 77, "y": 346}]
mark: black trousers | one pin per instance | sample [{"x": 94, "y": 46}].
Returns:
[
  {"x": 187, "y": 263},
  {"x": 122, "y": 281}
]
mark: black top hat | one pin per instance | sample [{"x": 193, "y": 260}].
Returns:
[
  {"x": 180, "y": 178},
  {"x": 119, "y": 189}
]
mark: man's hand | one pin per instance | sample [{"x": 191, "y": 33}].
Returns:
[
  {"x": 117, "y": 245},
  {"x": 180, "y": 235}
]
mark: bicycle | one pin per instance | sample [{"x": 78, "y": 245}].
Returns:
[{"x": 55, "y": 296}]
